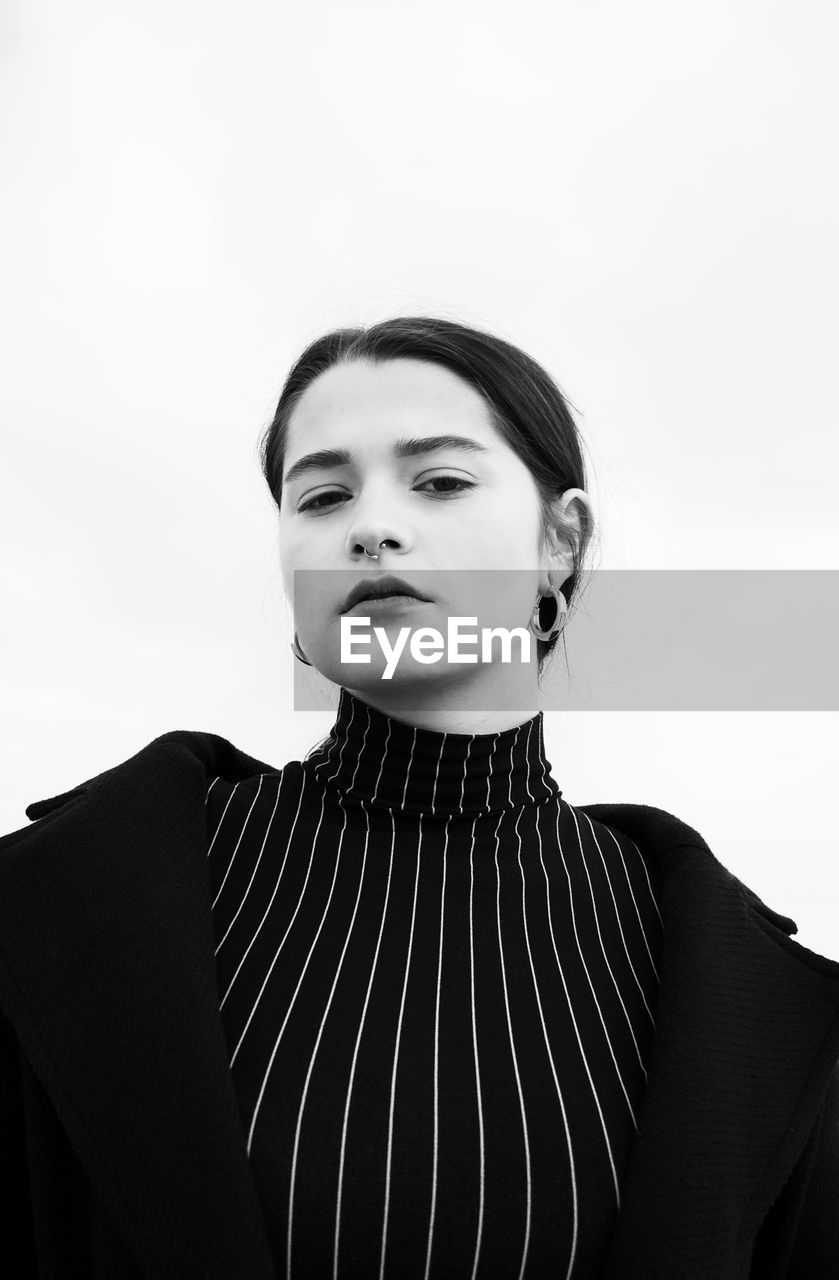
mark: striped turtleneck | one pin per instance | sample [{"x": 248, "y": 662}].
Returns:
[
  {"x": 369, "y": 756},
  {"x": 438, "y": 983}
]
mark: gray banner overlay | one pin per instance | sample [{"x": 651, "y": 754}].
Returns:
[{"x": 636, "y": 640}]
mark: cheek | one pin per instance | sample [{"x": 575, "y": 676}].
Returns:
[
  {"x": 298, "y": 546},
  {"x": 506, "y": 534},
  {"x": 291, "y": 558}
]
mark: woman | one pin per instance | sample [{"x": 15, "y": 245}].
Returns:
[{"x": 400, "y": 1009}]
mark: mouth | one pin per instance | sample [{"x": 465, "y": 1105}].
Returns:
[
  {"x": 378, "y": 590},
  {"x": 385, "y": 605}
]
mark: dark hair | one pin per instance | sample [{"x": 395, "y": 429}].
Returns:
[{"x": 525, "y": 404}]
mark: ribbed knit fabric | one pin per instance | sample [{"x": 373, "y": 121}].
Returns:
[{"x": 438, "y": 984}]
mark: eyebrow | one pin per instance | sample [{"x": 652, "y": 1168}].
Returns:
[{"x": 324, "y": 458}]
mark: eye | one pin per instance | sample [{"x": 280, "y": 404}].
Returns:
[
  {"x": 317, "y": 502},
  {"x": 464, "y": 484}
]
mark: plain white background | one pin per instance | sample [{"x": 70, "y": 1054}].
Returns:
[{"x": 645, "y": 197}]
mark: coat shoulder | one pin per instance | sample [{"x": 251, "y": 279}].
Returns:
[
  {"x": 178, "y": 743},
  {"x": 661, "y": 834}
]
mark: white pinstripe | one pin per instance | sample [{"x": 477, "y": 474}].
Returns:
[
  {"x": 632, "y": 895},
  {"x": 548, "y": 1045},
  {"x": 355, "y": 1053},
  {"x": 618, "y": 918},
  {"x": 475, "y": 1049},
  {"x": 396, "y": 1061},
  {"x": 602, "y": 945},
  {"x": 569, "y": 1003},
  {"x": 289, "y": 845},
  {"x": 591, "y": 988}
]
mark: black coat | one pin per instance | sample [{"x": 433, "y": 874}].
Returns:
[{"x": 121, "y": 1139}]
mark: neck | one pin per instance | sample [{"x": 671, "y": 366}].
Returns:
[{"x": 497, "y": 699}]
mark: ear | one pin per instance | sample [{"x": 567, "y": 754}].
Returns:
[{"x": 572, "y": 510}]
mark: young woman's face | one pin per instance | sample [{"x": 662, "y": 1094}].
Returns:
[{"x": 444, "y": 512}]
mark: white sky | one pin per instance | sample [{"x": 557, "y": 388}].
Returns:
[{"x": 645, "y": 197}]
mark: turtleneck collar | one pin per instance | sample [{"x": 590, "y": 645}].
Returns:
[{"x": 373, "y": 757}]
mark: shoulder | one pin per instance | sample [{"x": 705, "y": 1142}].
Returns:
[
  {"x": 257, "y": 792},
  {"x": 646, "y": 823},
  {"x": 676, "y": 852},
  {"x": 188, "y": 755}
]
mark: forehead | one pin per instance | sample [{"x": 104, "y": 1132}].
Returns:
[{"x": 389, "y": 395}]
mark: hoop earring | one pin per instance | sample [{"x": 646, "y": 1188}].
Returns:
[
  {"x": 559, "y": 620},
  {"x": 298, "y": 652}
]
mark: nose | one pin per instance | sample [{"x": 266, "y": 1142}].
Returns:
[{"x": 372, "y": 545}]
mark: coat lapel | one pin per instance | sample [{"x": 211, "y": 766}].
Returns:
[{"x": 107, "y": 971}]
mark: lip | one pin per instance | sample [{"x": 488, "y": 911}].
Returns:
[
  {"x": 396, "y": 588},
  {"x": 385, "y": 605}
]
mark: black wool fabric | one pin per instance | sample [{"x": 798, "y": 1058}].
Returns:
[{"x": 438, "y": 982}]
